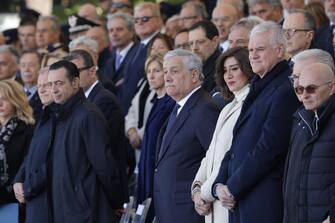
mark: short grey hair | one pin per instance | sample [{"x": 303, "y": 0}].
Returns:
[
  {"x": 277, "y": 36},
  {"x": 309, "y": 21},
  {"x": 248, "y": 23},
  {"x": 190, "y": 60},
  {"x": 273, "y": 3},
  {"x": 317, "y": 55},
  {"x": 239, "y": 4},
  {"x": 12, "y": 51},
  {"x": 128, "y": 19},
  {"x": 84, "y": 40},
  {"x": 54, "y": 20},
  {"x": 199, "y": 8}
]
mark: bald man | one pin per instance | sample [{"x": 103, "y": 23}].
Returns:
[
  {"x": 224, "y": 16},
  {"x": 309, "y": 181},
  {"x": 89, "y": 11}
]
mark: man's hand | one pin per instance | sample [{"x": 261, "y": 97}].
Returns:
[
  {"x": 226, "y": 198},
  {"x": 327, "y": 220},
  {"x": 200, "y": 205},
  {"x": 134, "y": 138},
  {"x": 19, "y": 193}
]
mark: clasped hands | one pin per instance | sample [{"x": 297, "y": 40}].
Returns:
[
  {"x": 202, "y": 207},
  {"x": 226, "y": 198}
]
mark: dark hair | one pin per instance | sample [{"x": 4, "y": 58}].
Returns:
[
  {"x": 81, "y": 54},
  {"x": 241, "y": 55},
  {"x": 33, "y": 52},
  {"x": 166, "y": 39},
  {"x": 71, "y": 69},
  {"x": 208, "y": 27},
  {"x": 317, "y": 10},
  {"x": 27, "y": 22}
]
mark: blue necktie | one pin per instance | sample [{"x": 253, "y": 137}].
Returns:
[
  {"x": 118, "y": 61},
  {"x": 172, "y": 120}
]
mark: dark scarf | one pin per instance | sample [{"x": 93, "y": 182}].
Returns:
[{"x": 6, "y": 134}]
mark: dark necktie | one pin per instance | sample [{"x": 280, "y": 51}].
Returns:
[
  {"x": 172, "y": 120},
  {"x": 28, "y": 93}
]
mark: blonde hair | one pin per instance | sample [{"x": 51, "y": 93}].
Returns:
[
  {"x": 157, "y": 58},
  {"x": 14, "y": 93}
]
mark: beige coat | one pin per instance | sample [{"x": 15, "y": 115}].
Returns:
[{"x": 220, "y": 144}]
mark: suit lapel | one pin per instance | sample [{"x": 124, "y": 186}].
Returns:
[
  {"x": 181, "y": 118},
  {"x": 94, "y": 91}
]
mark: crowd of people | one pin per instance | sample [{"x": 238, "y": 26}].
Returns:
[{"x": 219, "y": 111}]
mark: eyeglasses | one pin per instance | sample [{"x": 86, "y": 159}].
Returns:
[
  {"x": 293, "y": 77},
  {"x": 188, "y": 17},
  {"x": 119, "y": 5},
  {"x": 310, "y": 89},
  {"x": 143, "y": 19},
  {"x": 290, "y": 32},
  {"x": 221, "y": 19}
]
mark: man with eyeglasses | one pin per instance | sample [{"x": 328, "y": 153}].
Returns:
[
  {"x": 83, "y": 183},
  {"x": 204, "y": 41},
  {"x": 308, "y": 57},
  {"x": 224, "y": 16},
  {"x": 299, "y": 29},
  {"x": 309, "y": 174},
  {"x": 191, "y": 13},
  {"x": 148, "y": 23}
]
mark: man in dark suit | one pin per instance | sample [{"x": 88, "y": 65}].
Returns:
[
  {"x": 204, "y": 41},
  {"x": 184, "y": 139},
  {"x": 121, "y": 35},
  {"x": 29, "y": 67},
  {"x": 108, "y": 105},
  {"x": 83, "y": 183},
  {"x": 9, "y": 60},
  {"x": 324, "y": 37},
  {"x": 250, "y": 176},
  {"x": 148, "y": 23}
]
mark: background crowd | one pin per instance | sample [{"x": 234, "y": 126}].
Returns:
[{"x": 220, "y": 111}]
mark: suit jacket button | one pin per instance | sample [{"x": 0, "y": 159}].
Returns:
[
  {"x": 232, "y": 156},
  {"x": 155, "y": 170}
]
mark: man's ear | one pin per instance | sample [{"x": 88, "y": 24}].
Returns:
[
  {"x": 76, "y": 82},
  {"x": 216, "y": 41},
  {"x": 195, "y": 75}
]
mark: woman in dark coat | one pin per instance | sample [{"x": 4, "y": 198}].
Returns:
[
  {"x": 160, "y": 111},
  {"x": 16, "y": 123}
]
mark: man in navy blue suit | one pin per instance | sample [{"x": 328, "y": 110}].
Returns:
[
  {"x": 121, "y": 34},
  {"x": 184, "y": 139},
  {"x": 29, "y": 66},
  {"x": 250, "y": 176},
  {"x": 108, "y": 105},
  {"x": 148, "y": 23}
]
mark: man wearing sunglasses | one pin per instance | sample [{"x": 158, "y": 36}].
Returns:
[
  {"x": 309, "y": 181},
  {"x": 148, "y": 22}
]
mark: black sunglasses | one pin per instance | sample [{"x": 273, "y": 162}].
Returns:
[
  {"x": 310, "y": 89},
  {"x": 143, "y": 19}
]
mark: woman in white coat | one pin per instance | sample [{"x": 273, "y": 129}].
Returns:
[{"x": 233, "y": 75}]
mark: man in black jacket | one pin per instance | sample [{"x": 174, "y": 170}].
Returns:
[
  {"x": 82, "y": 181},
  {"x": 309, "y": 180},
  {"x": 108, "y": 105}
]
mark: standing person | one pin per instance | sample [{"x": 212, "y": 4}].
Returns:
[
  {"x": 233, "y": 75},
  {"x": 16, "y": 123},
  {"x": 309, "y": 194},
  {"x": 184, "y": 139},
  {"x": 82, "y": 180},
  {"x": 250, "y": 176},
  {"x": 161, "y": 109},
  {"x": 108, "y": 105},
  {"x": 30, "y": 181}
]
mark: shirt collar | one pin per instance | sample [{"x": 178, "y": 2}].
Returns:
[
  {"x": 147, "y": 40},
  {"x": 87, "y": 93},
  {"x": 183, "y": 101},
  {"x": 124, "y": 52}
]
